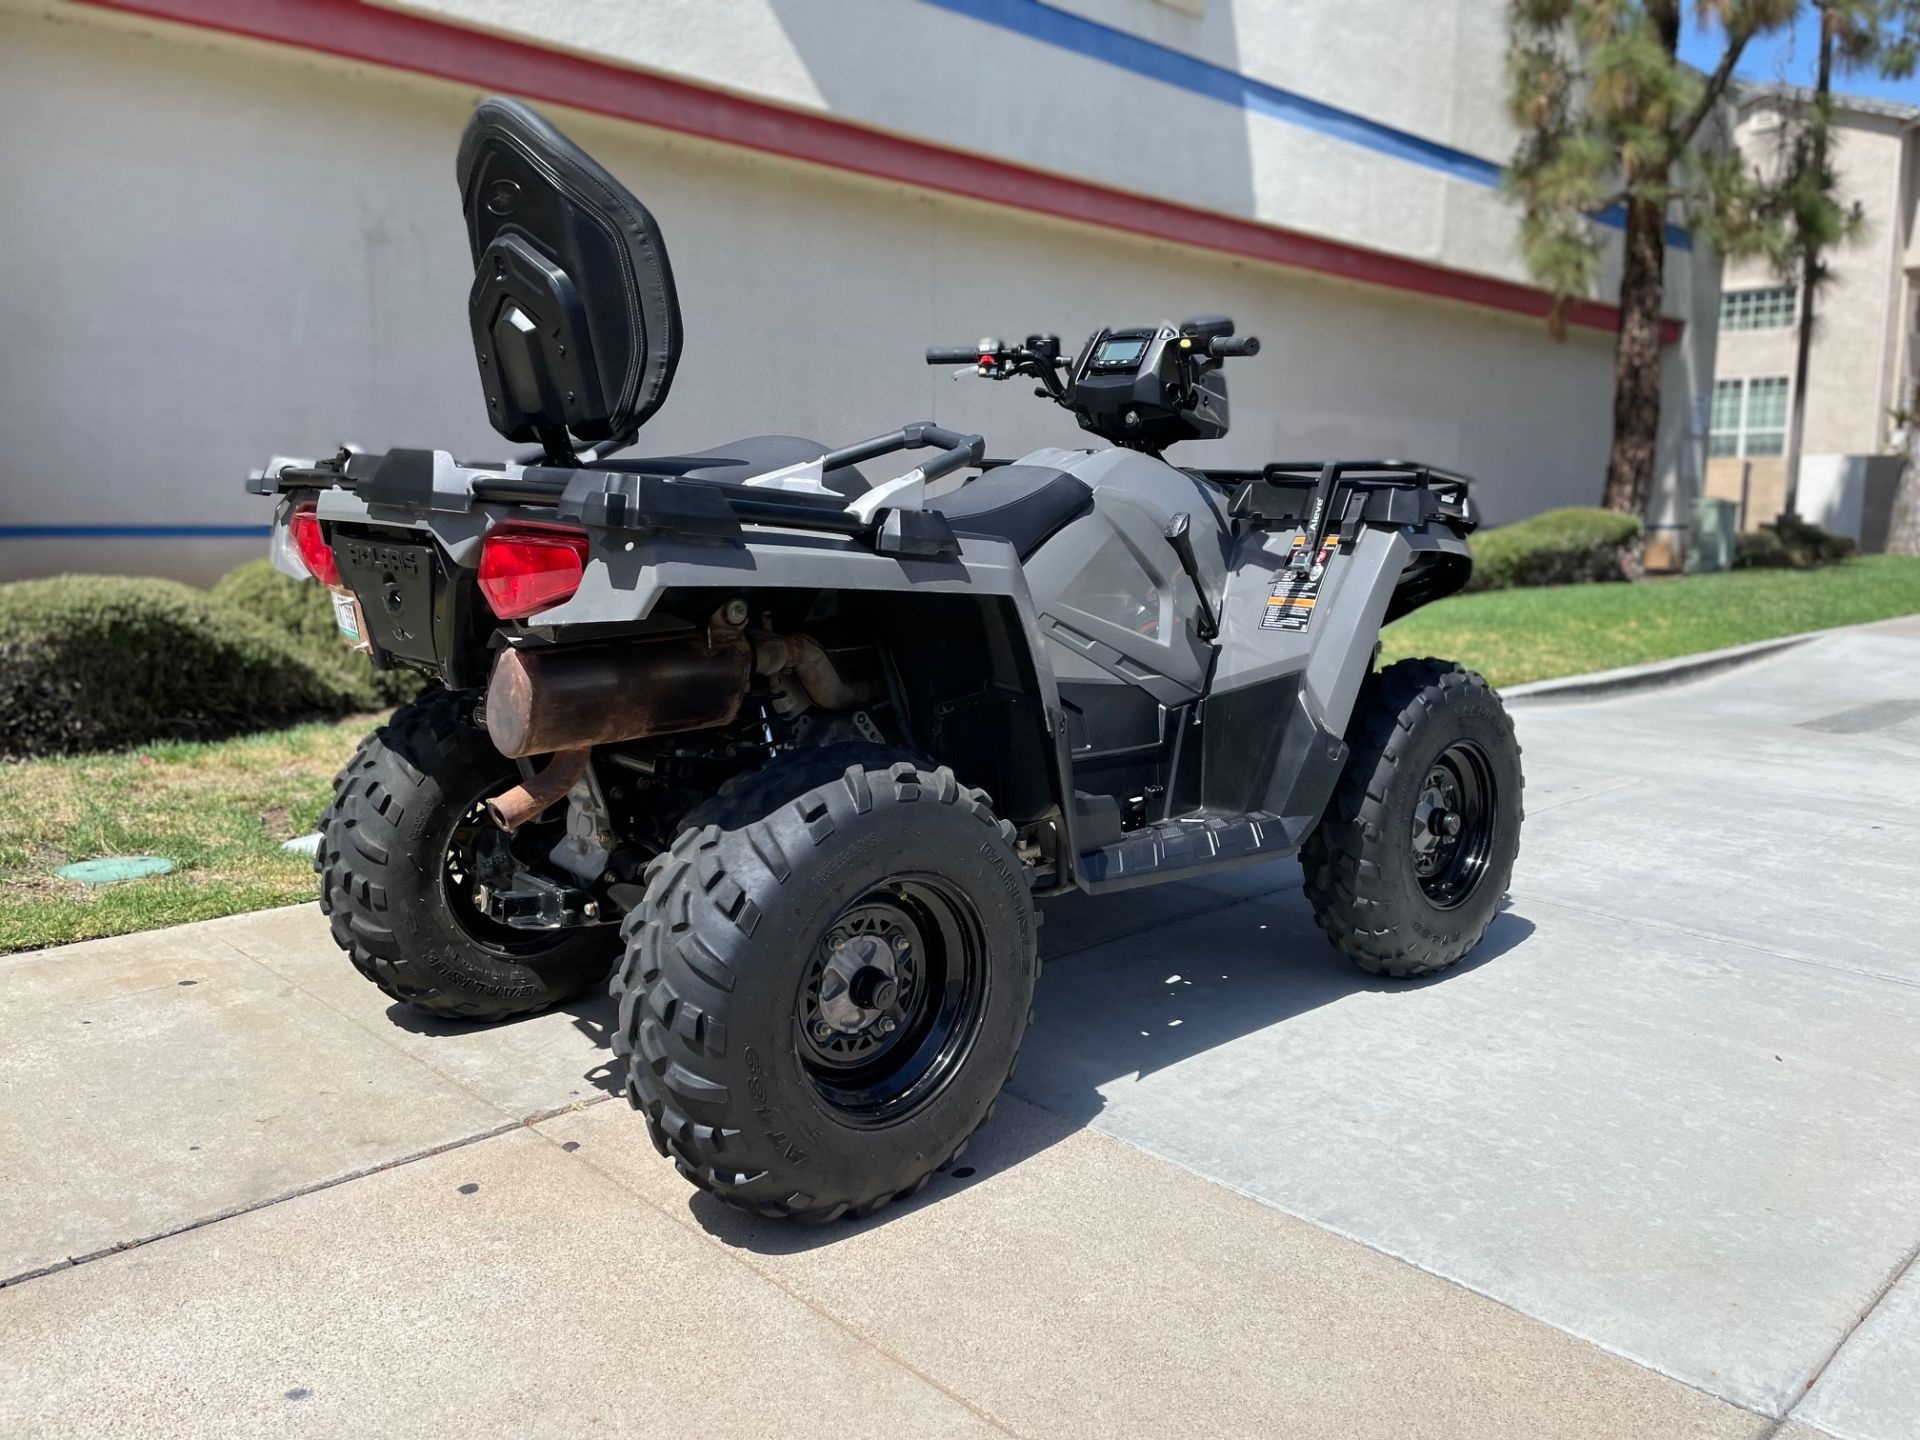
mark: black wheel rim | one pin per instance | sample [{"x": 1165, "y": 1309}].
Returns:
[
  {"x": 892, "y": 999},
  {"x": 1453, "y": 825},
  {"x": 459, "y": 868}
]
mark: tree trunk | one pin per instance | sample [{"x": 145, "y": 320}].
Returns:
[
  {"x": 1636, "y": 356},
  {"x": 1809, "y": 276}
]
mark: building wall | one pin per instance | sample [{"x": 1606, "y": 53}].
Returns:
[
  {"x": 1023, "y": 81},
  {"x": 1906, "y": 321},
  {"x": 239, "y": 249},
  {"x": 1854, "y": 366}
]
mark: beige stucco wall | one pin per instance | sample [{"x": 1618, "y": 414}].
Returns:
[
  {"x": 1853, "y": 368},
  {"x": 239, "y": 249}
]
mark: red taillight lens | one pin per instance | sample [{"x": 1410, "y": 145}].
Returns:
[
  {"x": 524, "y": 568},
  {"x": 311, "y": 546}
]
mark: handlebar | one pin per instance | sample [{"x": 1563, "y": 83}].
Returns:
[
  {"x": 1223, "y": 347},
  {"x": 953, "y": 355}
]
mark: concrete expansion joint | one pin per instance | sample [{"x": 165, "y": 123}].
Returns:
[
  {"x": 729, "y": 1255},
  {"x": 1879, "y": 1298},
  {"x": 333, "y": 1182},
  {"x": 1400, "y": 1257}
]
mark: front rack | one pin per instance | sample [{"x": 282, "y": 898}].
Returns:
[{"x": 1408, "y": 493}]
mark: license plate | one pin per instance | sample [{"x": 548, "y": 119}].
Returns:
[{"x": 346, "y": 615}]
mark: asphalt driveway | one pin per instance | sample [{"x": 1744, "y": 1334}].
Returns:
[{"x": 1645, "y": 1165}]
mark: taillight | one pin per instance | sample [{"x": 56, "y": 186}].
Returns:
[
  {"x": 524, "y": 568},
  {"x": 311, "y": 546}
]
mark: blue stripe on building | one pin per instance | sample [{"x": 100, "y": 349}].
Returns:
[
  {"x": 135, "y": 532},
  {"x": 1051, "y": 26}
]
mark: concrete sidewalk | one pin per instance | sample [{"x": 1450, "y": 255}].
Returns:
[{"x": 1645, "y": 1165}]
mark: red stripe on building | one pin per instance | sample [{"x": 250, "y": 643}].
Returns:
[{"x": 360, "y": 32}]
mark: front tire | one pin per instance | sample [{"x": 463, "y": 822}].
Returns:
[
  {"x": 827, "y": 983},
  {"x": 391, "y": 885},
  {"x": 1407, "y": 867}
]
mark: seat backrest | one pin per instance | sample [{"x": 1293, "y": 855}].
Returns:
[{"x": 575, "y": 322}]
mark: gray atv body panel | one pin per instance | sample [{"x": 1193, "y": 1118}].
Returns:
[
  {"x": 1245, "y": 728},
  {"x": 1256, "y": 717}
]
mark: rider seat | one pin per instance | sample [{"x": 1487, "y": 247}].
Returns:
[{"x": 1021, "y": 504}]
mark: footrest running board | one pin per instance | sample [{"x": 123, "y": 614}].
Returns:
[{"x": 1194, "y": 845}]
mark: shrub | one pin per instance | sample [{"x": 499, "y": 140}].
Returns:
[
  {"x": 1556, "y": 547},
  {"x": 1789, "y": 543},
  {"x": 1759, "y": 550},
  {"x": 93, "y": 662},
  {"x": 303, "y": 612}
]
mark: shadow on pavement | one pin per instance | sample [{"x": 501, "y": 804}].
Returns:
[
  {"x": 1134, "y": 1008},
  {"x": 1127, "y": 989},
  {"x": 593, "y": 1015},
  {"x": 1129, "y": 1006}
]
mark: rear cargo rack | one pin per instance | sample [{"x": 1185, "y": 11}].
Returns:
[{"x": 622, "y": 496}]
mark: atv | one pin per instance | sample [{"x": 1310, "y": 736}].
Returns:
[{"x": 792, "y": 743}]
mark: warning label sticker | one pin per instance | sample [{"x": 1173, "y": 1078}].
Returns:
[{"x": 1291, "y": 600}]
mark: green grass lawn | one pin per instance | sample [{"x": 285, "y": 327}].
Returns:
[
  {"x": 1513, "y": 636},
  {"x": 218, "y": 811}
]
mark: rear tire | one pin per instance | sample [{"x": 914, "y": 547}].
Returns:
[
  {"x": 1407, "y": 867},
  {"x": 812, "y": 904},
  {"x": 387, "y": 891}
]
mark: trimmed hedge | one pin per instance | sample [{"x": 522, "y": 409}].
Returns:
[
  {"x": 1556, "y": 547},
  {"x": 1790, "y": 543},
  {"x": 96, "y": 662},
  {"x": 303, "y": 612}
]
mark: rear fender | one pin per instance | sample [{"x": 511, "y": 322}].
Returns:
[{"x": 963, "y": 635}]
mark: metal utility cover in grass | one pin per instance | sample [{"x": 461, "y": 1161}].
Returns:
[{"x": 112, "y": 869}]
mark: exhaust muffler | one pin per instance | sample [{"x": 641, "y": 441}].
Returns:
[{"x": 541, "y": 701}]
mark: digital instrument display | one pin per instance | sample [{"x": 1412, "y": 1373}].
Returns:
[{"x": 1120, "y": 352}]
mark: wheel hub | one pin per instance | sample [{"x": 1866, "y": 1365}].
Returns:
[
  {"x": 1453, "y": 824},
  {"x": 861, "y": 981},
  {"x": 866, "y": 990},
  {"x": 1436, "y": 822},
  {"x": 893, "y": 998}
]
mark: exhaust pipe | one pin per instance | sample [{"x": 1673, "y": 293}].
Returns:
[
  {"x": 532, "y": 798},
  {"x": 812, "y": 667},
  {"x": 542, "y": 701}
]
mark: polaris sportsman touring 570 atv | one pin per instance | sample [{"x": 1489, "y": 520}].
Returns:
[{"x": 792, "y": 743}]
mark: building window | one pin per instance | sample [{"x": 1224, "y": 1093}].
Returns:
[
  {"x": 1749, "y": 416},
  {"x": 1772, "y": 308}
]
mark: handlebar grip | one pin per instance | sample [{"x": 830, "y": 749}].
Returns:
[
  {"x": 1223, "y": 346},
  {"x": 952, "y": 355}
]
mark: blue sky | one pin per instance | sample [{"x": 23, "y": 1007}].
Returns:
[{"x": 1790, "y": 56}]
